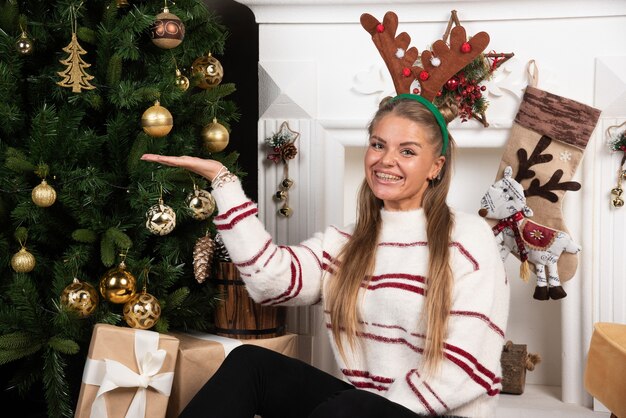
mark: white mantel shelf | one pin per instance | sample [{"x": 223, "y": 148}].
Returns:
[{"x": 317, "y": 11}]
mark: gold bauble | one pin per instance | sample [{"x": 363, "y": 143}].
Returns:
[
  {"x": 208, "y": 70},
  {"x": 142, "y": 311},
  {"x": 201, "y": 203},
  {"x": 118, "y": 285},
  {"x": 618, "y": 202},
  {"x": 160, "y": 219},
  {"x": 168, "y": 31},
  {"x": 182, "y": 82},
  {"x": 122, "y": 4},
  {"x": 80, "y": 297},
  {"x": 215, "y": 136},
  {"x": 157, "y": 121},
  {"x": 617, "y": 191},
  {"x": 24, "y": 44},
  {"x": 44, "y": 195},
  {"x": 23, "y": 261}
]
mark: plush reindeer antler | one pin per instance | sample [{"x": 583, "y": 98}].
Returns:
[{"x": 437, "y": 66}]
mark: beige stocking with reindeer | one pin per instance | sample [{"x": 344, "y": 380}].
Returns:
[{"x": 545, "y": 146}]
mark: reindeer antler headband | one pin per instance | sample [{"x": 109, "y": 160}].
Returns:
[{"x": 421, "y": 78}]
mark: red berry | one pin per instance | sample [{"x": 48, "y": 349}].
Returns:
[
  {"x": 380, "y": 28},
  {"x": 406, "y": 72},
  {"x": 483, "y": 88},
  {"x": 416, "y": 91},
  {"x": 424, "y": 75},
  {"x": 466, "y": 47}
]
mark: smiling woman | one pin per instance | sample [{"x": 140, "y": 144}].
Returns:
[{"x": 415, "y": 294}]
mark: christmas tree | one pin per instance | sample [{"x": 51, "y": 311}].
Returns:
[{"x": 87, "y": 87}]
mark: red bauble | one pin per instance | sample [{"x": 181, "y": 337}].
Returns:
[
  {"x": 406, "y": 72},
  {"x": 380, "y": 28},
  {"x": 452, "y": 84},
  {"x": 466, "y": 47},
  {"x": 416, "y": 91},
  {"x": 424, "y": 75}
]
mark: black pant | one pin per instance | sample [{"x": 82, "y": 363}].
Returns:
[{"x": 254, "y": 380}]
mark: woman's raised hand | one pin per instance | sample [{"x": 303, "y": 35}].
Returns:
[{"x": 206, "y": 168}]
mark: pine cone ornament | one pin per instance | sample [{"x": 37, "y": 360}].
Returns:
[
  {"x": 220, "y": 250},
  {"x": 288, "y": 151},
  {"x": 202, "y": 256}
]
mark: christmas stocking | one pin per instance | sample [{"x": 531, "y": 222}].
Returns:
[{"x": 545, "y": 146}]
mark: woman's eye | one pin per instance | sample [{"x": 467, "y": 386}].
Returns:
[
  {"x": 376, "y": 145},
  {"x": 408, "y": 152}
]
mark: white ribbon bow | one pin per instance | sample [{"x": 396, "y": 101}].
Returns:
[{"x": 110, "y": 374}]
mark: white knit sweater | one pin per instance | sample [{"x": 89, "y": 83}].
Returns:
[{"x": 388, "y": 358}]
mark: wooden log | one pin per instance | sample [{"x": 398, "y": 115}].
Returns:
[
  {"x": 237, "y": 315},
  {"x": 513, "y": 362}
]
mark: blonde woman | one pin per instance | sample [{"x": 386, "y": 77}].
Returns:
[{"x": 415, "y": 294}]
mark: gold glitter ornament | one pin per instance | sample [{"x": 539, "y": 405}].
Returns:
[
  {"x": 118, "y": 285},
  {"x": 142, "y": 311},
  {"x": 160, "y": 219},
  {"x": 201, "y": 203},
  {"x": 23, "y": 261},
  {"x": 168, "y": 31},
  {"x": 157, "y": 121},
  {"x": 44, "y": 195},
  {"x": 182, "y": 82},
  {"x": 80, "y": 297},
  {"x": 208, "y": 70},
  {"x": 24, "y": 44},
  {"x": 215, "y": 136}
]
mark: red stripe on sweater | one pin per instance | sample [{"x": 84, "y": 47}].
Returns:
[
  {"x": 418, "y": 394},
  {"x": 404, "y": 244},
  {"x": 427, "y": 386},
  {"x": 235, "y": 220},
  {"x": 270, "y": 257},
  {"x": 470, "y": 373},
  {"x": 482, "y": 317},
  {"x": 466, "y": 253},
  {"x": 315, "y": 257},
  {"x": 256, "y": 256},
  {"x": 472, "y": 360},
  {"x": 226, "y": 214},
  {"x": 296, "y": 277},
  {"x": 388, "y": 340},
  {"x": 368, "y": 385},
  {"x": 367, "y": 375},
  {"x": 402, "y": 286},
  {"x": 411, "y": 277}
]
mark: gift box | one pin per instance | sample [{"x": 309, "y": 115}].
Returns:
[
  {"x": 128, "y": 373},
  {"x": 199, "y": 357},
  {"x": 605, "y": 371}
]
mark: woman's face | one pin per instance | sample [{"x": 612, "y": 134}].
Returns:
[{"x": 399, "y": 162}]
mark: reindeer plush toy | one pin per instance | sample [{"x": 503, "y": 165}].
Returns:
[{"x": 529, "y": 241}]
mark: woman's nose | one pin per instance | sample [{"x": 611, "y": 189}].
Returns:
[{"x": 388, "y": 159}]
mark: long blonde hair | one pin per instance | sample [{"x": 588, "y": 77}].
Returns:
[{"x": 341, "y": 298}]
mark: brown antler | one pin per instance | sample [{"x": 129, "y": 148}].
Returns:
[{"x": 437, "y": 66}]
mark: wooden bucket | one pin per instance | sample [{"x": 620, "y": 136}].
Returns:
[{"x": 237, "y": 315}]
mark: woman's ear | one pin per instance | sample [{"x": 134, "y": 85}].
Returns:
[{"x": 437, "y": 167}]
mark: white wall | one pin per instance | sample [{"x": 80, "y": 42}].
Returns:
[{"x": 320, "y": 71}]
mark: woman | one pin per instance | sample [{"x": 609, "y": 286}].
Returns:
[{"x": 415, "y": 294}]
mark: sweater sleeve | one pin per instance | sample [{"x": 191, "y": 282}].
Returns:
[
  {"x": 274, "y": 275},
  {"x": 470, "y": 368}
]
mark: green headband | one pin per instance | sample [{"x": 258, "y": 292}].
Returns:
[{"x": 433, "y": 109}]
